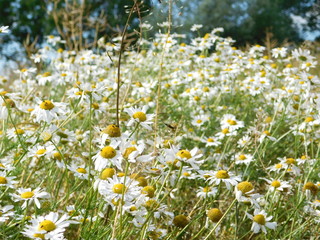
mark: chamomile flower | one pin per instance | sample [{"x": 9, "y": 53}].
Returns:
[
  {"x": 246, "y": 193},
  {"x": 230, "y": 122},
  {"x": 28, "y": 196},
  {"x": 117, "y": 188},
  {"x": 205, "y": 192},
  {"x": 140, "y": 116},
  {"x": 106, "y": 156},
  {"x": 6, "y": 181},
  {"x": 260, "y": 221},
  {"x": 6, "y": 212},
  {"x": 224, "y": 176},
  {"x": 48, "y": 227},
  {"x": 278, "y": 185},
  {"x": 241, "y": 158},
  {"x": 79, "y": 171},
  {"x": 48, "y": 111},
  {"x": 189, "y": 157},
  {"x": 211, "y": 141}
]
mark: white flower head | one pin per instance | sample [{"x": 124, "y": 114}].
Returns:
[
  {"x": 261, "y": 221},
  {"x": 139, "y": 115}
]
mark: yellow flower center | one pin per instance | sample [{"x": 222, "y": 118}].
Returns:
[
  {"x": 180, "y": 221},
  {"x": 39, "y": 235},
  {"x": 225, "y": 130},
  {"x": 206, "y": 189},
  {"x": 199, "y": 121},
  {"x": 19, "y": 131},
  {"x": 140, "y": 115},
  {"x": 112, "y": 130},
  {"x": 184, "y": 154},
  {"x": 222, "y": 174},
  {"x": 214, "y": 214},
  {"x": 41, "y": 151},
  {"x": 231, "y": 122},
  {"x": 3, "y": 180},
  {"x": 308, "y": 119},
  {"x": 266, "y": 132},
  {"x": 95, "y": 106},
  {"x": 47, "y": 225},
  {"x": 149, "y": 191},
  {"x": 81, "y": 170},
  {"x": 118, "y": 188},
  {"x": 46, "y": 74},
  {"x": 186, "y": 174},
  {"x": 108, "y": 152},
  {"x": 46, "y": 105},
  {"x": 278, "y": 166},
  {"x": 290, "y": 161},
  {"x": 210, "y": 140},
  {"x": 128, "y": 151},
  {"x": 27, "y": 195},
  {"x": 275, "y": 184},
  {"x": 107, "y": 173},
  {"x": 245, "y": 186},
  {"x": 260, "y": 219},
  {"x": 311, "y": 186},
  {"x": 242, "y": 157}
]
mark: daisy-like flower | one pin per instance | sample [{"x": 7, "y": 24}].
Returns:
[
  {"x": 27, "y": 195},
  {"x": 224, "y": 176},
  {"x": 199, "y": 120},
  {"x": 184, "y": 155},
  {"x": 261, "y": 221},
  {"x": 241, "y": 158},
  {"x": 115, "y": 188},
  {"x": 139, "y": 115},
  {"x": 106, "y": 156},
  {"x": 6, "y": 213},
  {"x": 6, "y": 181},
  {"x": 4, "y": 29},
  {"x": 48, "y": 227},
  {"x": 277, "y": 185},
  {"x": 229, "y": 121},
  {"x": 211, "y": 141},
  {"x": 246, "y": 193},
  {"x": 48, "y": 111},
  {"x": 206, "y": 192},
  {"x": 79, "y": 171}
]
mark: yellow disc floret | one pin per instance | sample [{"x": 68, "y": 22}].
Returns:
[
  {"x": 222, "y": 174},
  {"x": 260, "y": 219},
  {"x": 108, "y": 152},
  {"x": 47, "y": 225},
  {"x": 81, "y": 170},
  {"x": 180, "y": 221},
  {"x": 245, "y": 186},
  {"x": 3, "y": 180},
  {"x": 27, "y": 195},
  {"x": 112, "y": 130},
  {"x": 107, "y": 173},
  {"x": 148, "y": 190},
  {"x": 275, "y": 184},
  {"x": 118, "y": 188},
  {"x": 140, "y": 115},
  {"x": 46, "y": 105},
  {"x": 214, "y": 214},
  {"x": 184, "y": 154}
]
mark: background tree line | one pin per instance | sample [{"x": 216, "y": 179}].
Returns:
[{"x": 84, "y": 21}]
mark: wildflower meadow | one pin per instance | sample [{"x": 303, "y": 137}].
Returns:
[{"x": 167, "y": 140}]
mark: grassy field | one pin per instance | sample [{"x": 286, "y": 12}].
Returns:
[{"x": 165, "y": 141}]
